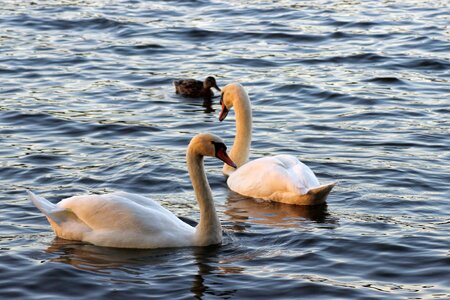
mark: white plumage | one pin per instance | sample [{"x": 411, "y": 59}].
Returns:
[
  {"x": 118, "y": 219},
  {"x": 281, "y": 178},
  {"x": 127, "y": 220}
]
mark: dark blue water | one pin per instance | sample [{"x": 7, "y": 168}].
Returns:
[{"x": 358, "y": 90}]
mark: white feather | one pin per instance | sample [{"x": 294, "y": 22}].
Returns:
[
  {"x": 127, "y": 220},
  {"x": 281, "y": 178}
]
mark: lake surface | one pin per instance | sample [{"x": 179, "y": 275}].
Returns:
[{"x": 358, "y": 90}]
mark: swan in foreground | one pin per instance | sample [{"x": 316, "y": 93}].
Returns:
[
  {"x": 127, "y": 220},
  {"x": 196, "y": 88},
  {"x": 280, "y": 178}
]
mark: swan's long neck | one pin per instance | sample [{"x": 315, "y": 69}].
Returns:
[
  {"x": 241, "y": 147},
  {"x": 208, "y": 230}
]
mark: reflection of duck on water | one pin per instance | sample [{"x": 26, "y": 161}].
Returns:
[{"x": 243, "y": 209}]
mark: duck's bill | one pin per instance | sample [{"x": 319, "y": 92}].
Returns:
[
  {"x": 217, "y": 88},
  {"x": 223, "y": 113},
  {"x": 223, "y": 156}
]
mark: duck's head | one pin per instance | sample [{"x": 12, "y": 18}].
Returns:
[
  {"x": 210, "y": 82},
  {"x": 230, "y": 93},
  {"x": 207, "y": 144}
]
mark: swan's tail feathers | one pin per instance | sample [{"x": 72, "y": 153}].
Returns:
[
  {"x": 320, "y": 194},
  {"x": 50, "y": 210}
]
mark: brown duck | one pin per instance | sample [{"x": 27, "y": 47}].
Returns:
[{"x": 195, "y": 88}]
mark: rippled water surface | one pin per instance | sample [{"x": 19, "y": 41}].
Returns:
[{"x": 358, "y": 90}]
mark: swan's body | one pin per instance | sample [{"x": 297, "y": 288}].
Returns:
[
  {"x": 118, "y": 219},
  {"x": 281, "y": 178},
  {"x": 127, "y": 220},
  {"x": 195, "y": 88}
]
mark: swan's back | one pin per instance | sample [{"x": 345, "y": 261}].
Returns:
[
  {"x": 300, "y": 174},
  {"x": 118, "y": 210},
  {"x": 121, "y": 220},
  {"x": 273, "y": 177}
]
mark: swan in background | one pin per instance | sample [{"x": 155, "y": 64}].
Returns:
[
  {"x": 125, "y": 220},
  {"x": 195, "y": 88},
  {"x": 280, "y": 178}
]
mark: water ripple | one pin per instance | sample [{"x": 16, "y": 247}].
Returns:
[{"x": 356, "y": 90}]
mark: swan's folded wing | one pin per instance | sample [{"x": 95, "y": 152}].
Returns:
[
  {"x": 57, "y": 214},
  {"x": 267, "y": 176},
  {"x": 260, "y": 178}
]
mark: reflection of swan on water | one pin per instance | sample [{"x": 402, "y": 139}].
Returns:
[
  {"x": 89, "y": 257},
  {"x": 209, "y": 264},
  {"x": 141, "y": 265},
  {"x": 127, "y": 220},
  {"x": 245, "y": 209}
]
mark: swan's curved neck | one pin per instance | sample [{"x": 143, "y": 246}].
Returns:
[
  {"x": 241, "y": 147},
  {"x": 208, "y": 230}
]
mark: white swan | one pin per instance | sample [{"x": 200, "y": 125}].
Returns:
[
  {"x": 127, "y": 220},
  {"x": 280, "y": 178}
]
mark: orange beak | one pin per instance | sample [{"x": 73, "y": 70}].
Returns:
[
  {"x": 223, "y": 113},
  {"x": 223, "y": 156}
]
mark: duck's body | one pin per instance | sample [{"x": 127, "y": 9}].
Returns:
[
  {"x": 127, "y": 220},
  {"x": 280, "y": 178},
  {"x": 195, "y": 88}
]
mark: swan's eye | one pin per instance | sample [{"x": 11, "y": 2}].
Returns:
[
  {"x": 221, "y": 99},
  {"x": 219, "y": 146}
]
